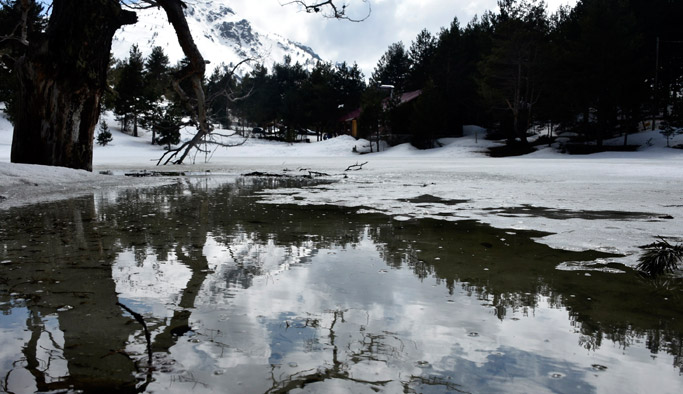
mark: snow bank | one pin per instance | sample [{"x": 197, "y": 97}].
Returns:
[{"x": 22, "y": 184}]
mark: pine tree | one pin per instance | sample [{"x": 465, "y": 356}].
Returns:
[
  {"x": 607, "y": 76},
  {"x": 220, "y": 89},
  {"x": 157, "y": 80},
  {"x": 320, "y": 109},
  {"x": 421, "y": 54},
  {"x": 393, "y": 68},
  {"x": 261, "y": 106},
  {"x": 350, "y": 84},
  {"x": 288, "y": 79},
  {"x": 167, "y": 127},
  {"x": 104, "y": 135},
  {"x": 373, "y": 120},
  {"x": 131, "y": 100},
  {"x": 156, "y": 75},
  {"x": 512, "y": 79}
]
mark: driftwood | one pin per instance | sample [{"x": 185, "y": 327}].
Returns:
[
  {"x": 356, "y": 167},
  {"x": 145, "y": 174},
  {"x": 311, "y": 174},
  {"x": 266, "y": 174}
]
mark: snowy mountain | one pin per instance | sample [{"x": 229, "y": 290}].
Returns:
[{"x": 221, "y": 35}]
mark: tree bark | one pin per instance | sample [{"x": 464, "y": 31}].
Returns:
[
  {"x": 194, "y": 71},
  {"x": 62, "y": 78}
]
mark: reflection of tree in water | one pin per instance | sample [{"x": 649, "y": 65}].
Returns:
[
  {"x": 61, "y": 260},
  {"x": 511, "y": 272},
  {"x": 184, "y": 216},
  {"x": 347, "y": 351},
  {"x": 507, "y": 272},
  {"x": 338, "y": 369},
  {"x": 60, "y": 270},
  {"x": 39, "y": 367},
  {"x": 57, "y": 261}
]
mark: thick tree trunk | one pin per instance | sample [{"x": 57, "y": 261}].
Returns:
[{"x": 62, "y": 78}]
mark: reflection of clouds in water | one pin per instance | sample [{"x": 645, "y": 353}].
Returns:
[
  {"x": 49, "y": 350},
  {"x": 288, "y": 319},
  {"x": 246, "y": 260},
  {"x": 261, "y": 313},
  {"x": 345, "y": 314},
  {"x": 394, "y": 303},
  {"x": 153, "y": 284},
  {"x": 48, "y": 346},
  {"x": 549, "y": 332},
  {"x": 13, "y": 336},
  {"x": 519, "y": 371}
]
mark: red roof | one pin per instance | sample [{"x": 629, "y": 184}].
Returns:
[
  {"x": 355, "y": 114},
  {"x": 410, "y": 96},
  {"x": 405, "y": 98}
]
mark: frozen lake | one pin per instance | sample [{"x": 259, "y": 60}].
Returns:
[{"x": 298, "y": 295}]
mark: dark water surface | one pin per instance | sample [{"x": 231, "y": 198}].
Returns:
[{"x": 242, "y": 297}]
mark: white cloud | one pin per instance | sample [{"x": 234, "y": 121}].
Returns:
[
  {"x": 365, "y": 42},
  {"x": 391, "y": 21}
]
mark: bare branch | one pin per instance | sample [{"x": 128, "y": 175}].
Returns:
[
  {"x": 12, "y": 37},
  {"x": 193, "y": 72},
  {"x": 234, "y": 69},
  {"x": 172, "y": 154},
  {"x": 226, "y": 91},
  {"x": 233, "y": 99},
  {"x": 335, "y": 9},
  {"x": 356, "y": 167},
  {"x": 140, "y": 5},
  {"x": 213, "y": 141},
  {"x": 20, "y": 31}
]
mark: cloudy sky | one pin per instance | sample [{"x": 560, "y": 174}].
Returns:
[{"x": 390, "y": 21}]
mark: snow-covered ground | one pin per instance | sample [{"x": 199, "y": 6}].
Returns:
[{"x": 609, "y": 201}]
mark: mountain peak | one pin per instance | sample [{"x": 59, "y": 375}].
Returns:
[{"x": 221, "y": 35}]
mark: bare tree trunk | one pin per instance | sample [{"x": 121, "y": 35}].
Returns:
[
  {"x": 62, "y": 78},
  {"x": 135, "y": 123},
  {"x": 194, "y": 71}
]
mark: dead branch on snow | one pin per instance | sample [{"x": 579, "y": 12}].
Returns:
[{"x": 356, "y": 167}]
